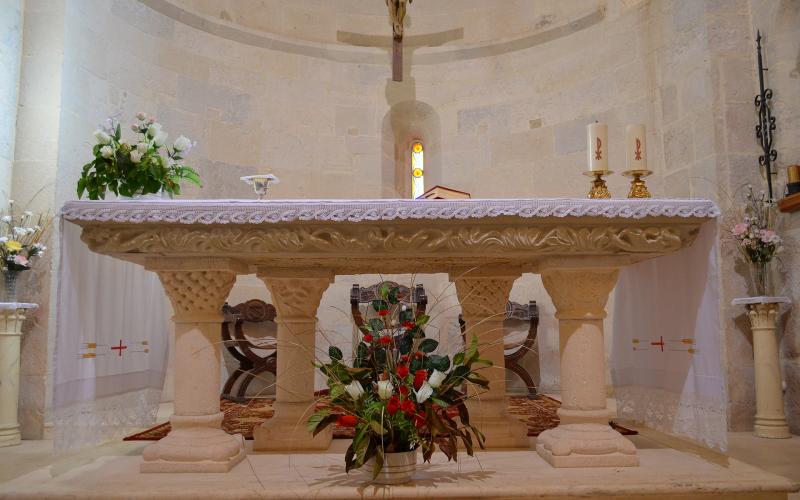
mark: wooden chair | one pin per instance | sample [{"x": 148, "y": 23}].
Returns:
[
  {"x": 517, "y": 343},
  {"x": 360, "y": 295},
  {"x": 255, "y": 356}
]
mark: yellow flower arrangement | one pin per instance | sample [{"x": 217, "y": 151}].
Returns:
[{"x": 13, "y": 246}]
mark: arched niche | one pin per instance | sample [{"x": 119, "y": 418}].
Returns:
[{"x": 404, "y": 123}]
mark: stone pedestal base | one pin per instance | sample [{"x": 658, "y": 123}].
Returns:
[
  {"x": 500, "y": 429},
  {"x": 10, "y": 435},
  {"x": 586, "y": 445},
  {"x": 773, "y": 428},
  {"x": 286, "y": 431},
  {"x": 195, "y": 444}
]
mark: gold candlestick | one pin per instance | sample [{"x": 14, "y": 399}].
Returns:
[
  {"x": 638, "y": 186},
  {"x": 599, "y": 189}
]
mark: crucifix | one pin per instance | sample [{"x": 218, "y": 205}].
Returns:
[{"x": 397, "y": 13}]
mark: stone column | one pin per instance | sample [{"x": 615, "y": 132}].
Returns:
[
  {"x": 10, "y": 336},
  {"x": 197, "y": 289},
  {"x": 296, "y": 295},
  {"x": 583, "y": 438},
  {"x": 483, "y": 299},
  {"x": 770, "y": 416}
]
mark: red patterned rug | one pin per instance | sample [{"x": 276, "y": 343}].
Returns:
[{"x": 538, "y": 414}]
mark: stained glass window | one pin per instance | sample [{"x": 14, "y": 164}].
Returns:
[{"x": 417, "y": 170}]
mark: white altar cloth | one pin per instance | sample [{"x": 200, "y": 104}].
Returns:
[{"x": 85, "y": 277}]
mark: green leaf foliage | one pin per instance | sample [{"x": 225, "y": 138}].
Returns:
[
  {"x": 428, "y": 345},
  {"x": 335, "y": 353}
]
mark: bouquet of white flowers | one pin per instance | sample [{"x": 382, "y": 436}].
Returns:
[
  {"x": 20, "y": 244},
  {"x": 146, "y": 166}
]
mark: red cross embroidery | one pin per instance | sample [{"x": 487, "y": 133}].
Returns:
[{"x": 119, "y": 348}]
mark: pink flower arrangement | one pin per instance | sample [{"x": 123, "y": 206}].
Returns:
[{"x": 755, "y": 235}]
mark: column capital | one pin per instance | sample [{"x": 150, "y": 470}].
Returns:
[
  {"x": 296, "y": 293},
  {"x": 483, "y": 295},
  {"x": 197, "y": 296},
  {"x": 579, "y": 293},
  {"x": 763, "y": 315}
]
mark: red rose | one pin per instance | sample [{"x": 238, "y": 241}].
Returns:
[
  {"x": 403, "y": 390},
  {"x": 409, "y": 325},
  {"x": 408, "y": 407},
  {"x": 368, "y": 338},
  {"x": 420, "y": 376},
  {"x": 385, "y": 340},
  {"x": 383, "y": 312},
  {"x": 404, "y": 358},
  {"x": 346, "y": 421},
  {"x": 402, "y": 371},
  {"x": 418, "y": 354},
  {"x": 393, "y": 405},
  {"x": 419, "y": 420}
]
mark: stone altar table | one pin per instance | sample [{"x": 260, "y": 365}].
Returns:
[{"x": 198, "y": 247}]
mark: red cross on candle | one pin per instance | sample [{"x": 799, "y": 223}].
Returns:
[
  {"x": 660, "y": 343},
  {"x": 119, "y": 348}
]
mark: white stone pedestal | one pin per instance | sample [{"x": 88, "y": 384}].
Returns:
[
  {"x": 296, "y": 295},
  {"x": 197, "y": 289},
  {"x": 12, "y": 314},
  {"x": 770, "y": 415},
  {"x": 583, "y": 438}
]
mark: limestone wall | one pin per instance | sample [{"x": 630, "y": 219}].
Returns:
[{"x": 10, "y": 52}]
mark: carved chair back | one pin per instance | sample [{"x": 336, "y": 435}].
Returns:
[
  {"x": 255, "y": 356},
  {"x": 515, "y": 347},
  {"x": 365, "y": 295}
]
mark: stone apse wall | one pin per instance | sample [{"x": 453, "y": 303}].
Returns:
[{"x": 500, "y": 98}]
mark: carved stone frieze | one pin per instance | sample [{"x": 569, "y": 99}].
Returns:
[{"x": 390, "y": 239}]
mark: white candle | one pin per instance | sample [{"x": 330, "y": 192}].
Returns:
[
  {"x": 597, "y": 146},
  {"x": 635, "y": 150}
]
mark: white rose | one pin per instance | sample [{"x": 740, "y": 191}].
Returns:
[
  {"x": 182, "y": 144},
  {"x": 6, "y": 218},
  {"x": 142, "y": 146},
  {"x": 160, "y": 139},
  {"x": 424, "y": 392},
  {"x": 3, "y": 239},
  {"x": 102, "y": 137},
  {"x": 106, "y": 151},
  {"x": 436, "y": 379},
  {"x": 153, "y": 129},
  {"x": 136, "y": 156},
  {"x": 385, "y": 389},
  {"x": 355, "y": 389}
]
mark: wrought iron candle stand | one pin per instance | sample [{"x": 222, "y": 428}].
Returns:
[{"x": 766, "y": 122}]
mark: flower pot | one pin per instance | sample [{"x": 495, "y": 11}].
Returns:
[
  {"x": 398, "y": 468},
  {"x": 10, "y": 281}
]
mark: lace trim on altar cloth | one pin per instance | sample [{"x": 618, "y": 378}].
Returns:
[
  {"x": 91, "y": 423},
  {"x": 701, "y": 419},
  {"x": 274, "y": 211}
]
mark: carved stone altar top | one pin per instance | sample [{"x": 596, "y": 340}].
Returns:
[{"x": 349, "y": 237}]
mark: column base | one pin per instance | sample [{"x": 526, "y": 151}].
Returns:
[
  {"x": 586, "y": 445},
  {"x": 286, "y": 431},
  {"x": 194, "y": 445},
  {"x": 500, "y": 429},
  {"x": 771, "y": 428},
  {"x": 10, "y": 435}
]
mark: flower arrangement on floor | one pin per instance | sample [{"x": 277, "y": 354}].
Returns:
[
  {"x": 146, "y": 166},
  {"x": 20, "y": 245},
  {"x": 397, "y": 393},
  {"x": 756, "y": 238}
]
